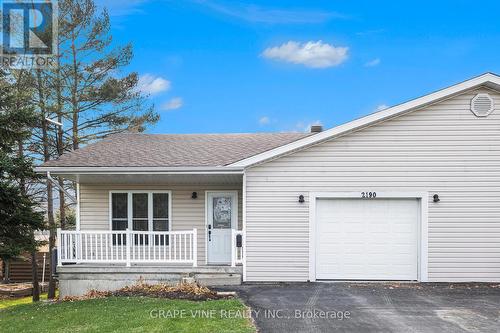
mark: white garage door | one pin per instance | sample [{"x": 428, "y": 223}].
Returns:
[{"x": 367, "y": 239}]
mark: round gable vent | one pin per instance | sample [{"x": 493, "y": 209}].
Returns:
[{"x": 482, "y": 105}]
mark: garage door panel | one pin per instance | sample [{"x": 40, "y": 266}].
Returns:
[{"x": 367, "y": 239}]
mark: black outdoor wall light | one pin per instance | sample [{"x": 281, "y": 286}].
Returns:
[
  {"x": 194, "y": 195},
  {"x": 436, "y": 198},
  {"x": 301, "y": 198}
]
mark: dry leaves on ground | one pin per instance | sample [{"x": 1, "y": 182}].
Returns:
[{"x": 187, "y": 291}]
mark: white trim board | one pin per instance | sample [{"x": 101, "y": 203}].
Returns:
[
  {"x": 78, "y": 206},
  {"x": 223, "y": 170},
  {"x": 423, "y": 242},
  {"x": 150, "y": 207},
  {"x": 244, "y": 225},
  {"x": 489, "y": 79}
]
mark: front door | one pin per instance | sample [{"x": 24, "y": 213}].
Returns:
[{"x": 222, "y": 216}]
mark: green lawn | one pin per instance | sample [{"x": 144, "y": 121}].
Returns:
[
  {"x": 8, "y": 302},
  {"x": 124, "y": 314}
]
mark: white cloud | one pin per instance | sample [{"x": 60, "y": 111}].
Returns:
[
  {"x": 264, "y": 120},
  {"x": 311, "y": 54},
  {"x": 373, "y": 63},
  {"x": 173, "y": 104},
  {"x": 151, "y": 85},
  {"x": 257, "y": 14},
  {"x": 381, "y": 107}
]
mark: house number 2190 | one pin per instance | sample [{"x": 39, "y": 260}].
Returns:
[{"x": 368, "y": 195}]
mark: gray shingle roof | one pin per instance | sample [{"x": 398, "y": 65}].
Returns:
[{"x": 173, "y": 150}]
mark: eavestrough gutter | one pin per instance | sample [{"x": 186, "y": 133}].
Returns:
[{"x": 140, "y": 170}]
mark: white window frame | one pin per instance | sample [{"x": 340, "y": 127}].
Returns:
[{"x": 150, "y": 207}]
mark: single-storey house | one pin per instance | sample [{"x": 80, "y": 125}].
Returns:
[{"x": 411, "y": 192}]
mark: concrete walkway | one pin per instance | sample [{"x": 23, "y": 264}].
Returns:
[{"x": 374, "y": 307}]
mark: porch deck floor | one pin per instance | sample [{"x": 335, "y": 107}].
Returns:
[{"x": 147, "y": 268}]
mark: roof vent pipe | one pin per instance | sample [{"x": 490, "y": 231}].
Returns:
[{"x": 316, "y": 128}]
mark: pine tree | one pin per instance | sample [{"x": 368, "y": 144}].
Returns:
[
  {"x": 98, "y": 101},
  {"x": 88, "y": 92},
  {"x": 19, "y": 213}
]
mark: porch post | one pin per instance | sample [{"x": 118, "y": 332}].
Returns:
[
  {"x": 195, "y": 247},
  {"x": 79, "y": 247},
  {"x": 128, "y": 246},
  {"x": 59, "y": 249},
  {"x": 233, "y": 248}
]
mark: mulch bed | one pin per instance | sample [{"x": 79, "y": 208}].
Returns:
[
  {"x": 184, "y": 291},
  {"x": 18, "y": 289}
]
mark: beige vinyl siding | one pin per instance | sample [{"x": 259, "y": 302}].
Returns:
[
  {"x": 441, "y": 149},
  {"x": 186, "y": 213}
]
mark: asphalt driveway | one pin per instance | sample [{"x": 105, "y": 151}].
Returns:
[{"x": 374, "y": 307}]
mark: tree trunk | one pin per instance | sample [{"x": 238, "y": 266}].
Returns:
[
  {"x": 50, "y": 198},
  {"x": 62, "y": 206},
  {"x": 59, "y": 144},
  {"x": 34, "y": 267},
  {"x": 6, "y": 271},
  {"x": 34, "y": 273},
  {"x": 74, "y": 93},
  {"x": 52, "y": 239}
]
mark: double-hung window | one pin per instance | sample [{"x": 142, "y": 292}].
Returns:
[
  {"x": 141, "y": 211},
  {"x": 119, "y": 216}
]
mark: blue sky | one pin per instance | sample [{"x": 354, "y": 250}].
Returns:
[{"x": 228, "y": 66}]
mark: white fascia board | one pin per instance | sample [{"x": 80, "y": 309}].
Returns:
[
  {"x": 370, "y": 119},
  {"x": 140, "y": 170}
]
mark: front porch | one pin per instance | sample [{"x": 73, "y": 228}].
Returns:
[
  {"x": 161, "y": 226},
  {"x": 109, "y": 260},
  {"x": 137, "y": 247}
]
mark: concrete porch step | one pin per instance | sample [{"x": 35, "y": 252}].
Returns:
[{"x": 218, "y": 279}]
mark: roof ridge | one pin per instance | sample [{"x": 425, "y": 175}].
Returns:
[{"x": 210, "y": 134}]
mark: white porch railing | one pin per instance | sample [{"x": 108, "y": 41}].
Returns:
[
  {"x": 127, "y": 247},
  {"x": 236, "y": 251}
]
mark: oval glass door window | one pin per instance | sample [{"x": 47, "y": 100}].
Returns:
[{"x": 222, "y": 212}]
